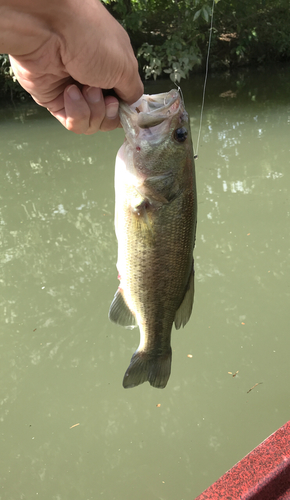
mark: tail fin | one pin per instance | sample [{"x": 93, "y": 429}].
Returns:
[{"x": 144, "y": 366}]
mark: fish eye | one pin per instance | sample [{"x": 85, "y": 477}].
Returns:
[{"x": 180, "y": 134}]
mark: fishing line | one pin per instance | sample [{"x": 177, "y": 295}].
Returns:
[
  {"x": 179, "y": 90},
  {"x": 205, "y": 81}
]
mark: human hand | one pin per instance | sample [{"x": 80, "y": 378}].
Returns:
[{"x": 76, "y": 50}]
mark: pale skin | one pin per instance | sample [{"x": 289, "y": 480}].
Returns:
[{"x": 64, "y": 53}]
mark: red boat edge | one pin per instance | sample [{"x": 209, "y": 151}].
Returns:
[{"x": 263, "y": 474}]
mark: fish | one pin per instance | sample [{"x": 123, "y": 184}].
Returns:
[{"x": 155, "y": 225}]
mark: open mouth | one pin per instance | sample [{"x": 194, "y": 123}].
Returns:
[{"x": 151, "y": 110}]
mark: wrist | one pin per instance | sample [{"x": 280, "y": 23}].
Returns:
[{"x": 27, "y": 24}]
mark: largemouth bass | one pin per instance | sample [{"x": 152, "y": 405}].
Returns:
[{"x": 155, "y": 223}]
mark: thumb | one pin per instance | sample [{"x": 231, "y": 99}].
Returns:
[{"x": 130, "y": 88}]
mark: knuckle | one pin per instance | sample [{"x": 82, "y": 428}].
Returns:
[{"x": 75, "y": 126}]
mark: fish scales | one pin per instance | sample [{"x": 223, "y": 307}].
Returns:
[{"x": 155, "y": 220}]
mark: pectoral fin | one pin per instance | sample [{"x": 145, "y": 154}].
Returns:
[
  {"x": 183, "y": 313},
  {"x": 160, "y": 189},
  {"x": 120, "y": 313}
]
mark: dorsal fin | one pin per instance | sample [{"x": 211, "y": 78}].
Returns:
[{"x": 184, "y": 311}]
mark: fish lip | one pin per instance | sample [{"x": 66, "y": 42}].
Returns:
[
  {"x": 150, "y": 111},
  {"x": 154, "y": 100},
  {"x": 159, "y": 113}
]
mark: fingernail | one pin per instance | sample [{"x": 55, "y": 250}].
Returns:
[
  {"x": 94, "y": 94},
  {"x": 112, "y": 110},
  {"x": 74, "y": 93}
]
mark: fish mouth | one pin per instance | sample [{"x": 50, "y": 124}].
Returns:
[
  {"x": 151, "y": 111},
  {"x": 154, "y": 109}
]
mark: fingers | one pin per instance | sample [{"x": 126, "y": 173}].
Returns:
[
  {"x": 86, "y": 111},
  {"x": 104, "y": 111}
]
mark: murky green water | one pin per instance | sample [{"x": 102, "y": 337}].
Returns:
[{"x": 68, "y": 430}]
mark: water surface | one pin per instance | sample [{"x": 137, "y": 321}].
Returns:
[{"x": 68, "y": 429}]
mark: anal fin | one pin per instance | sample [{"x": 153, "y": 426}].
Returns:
[{"x": 120, "y": 313}]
